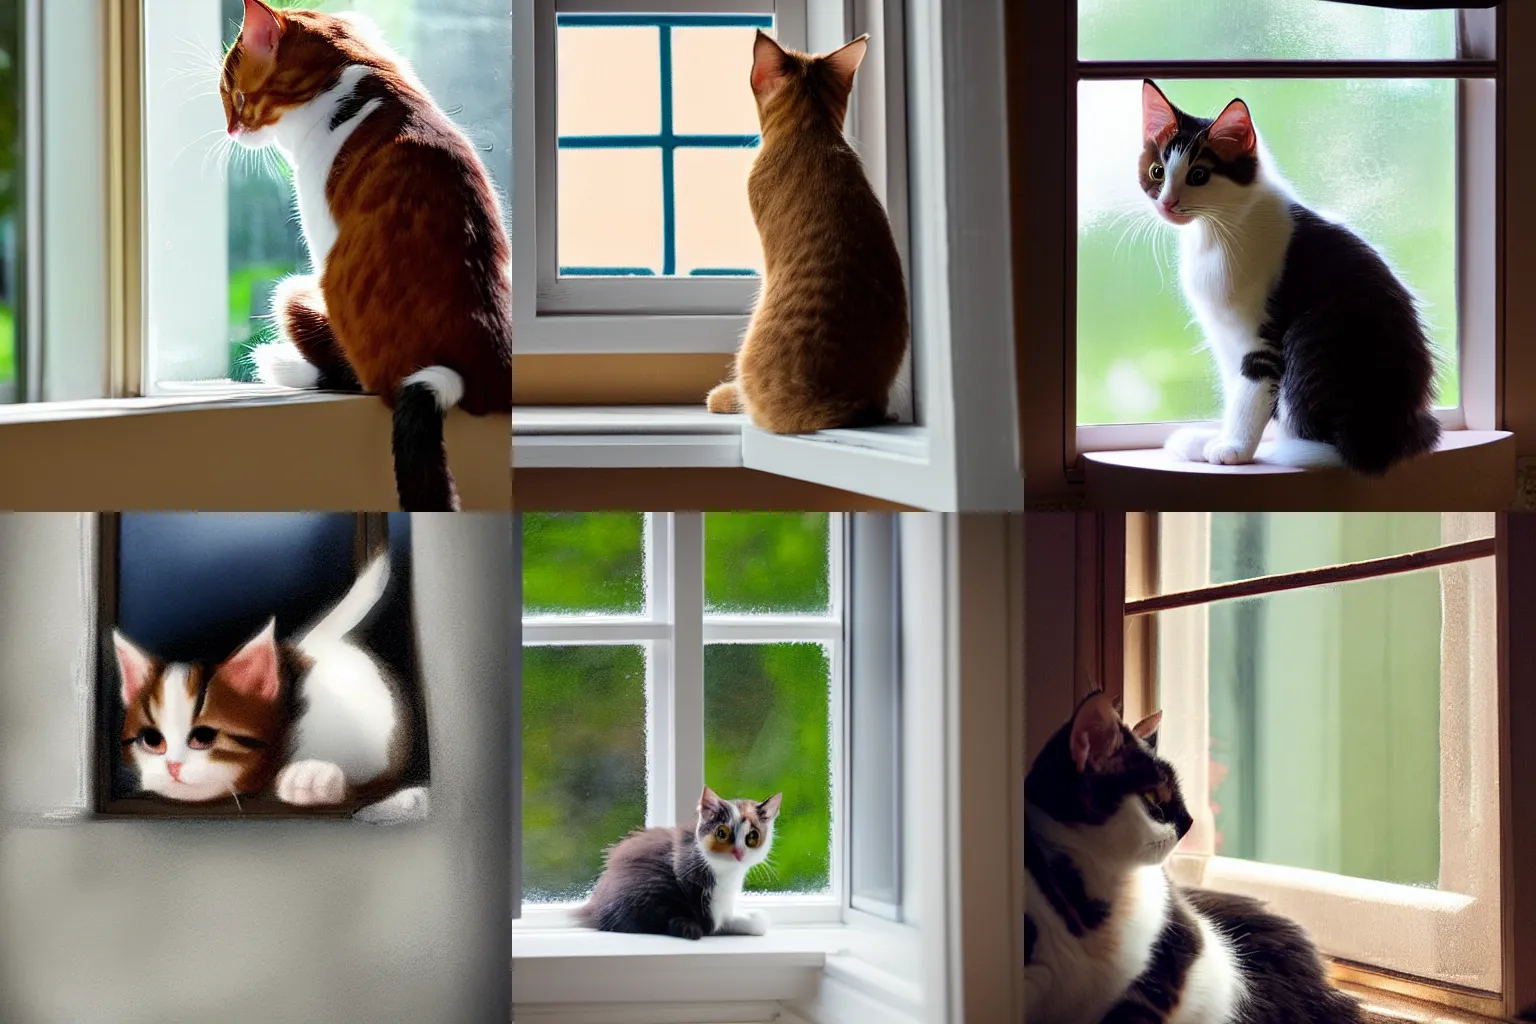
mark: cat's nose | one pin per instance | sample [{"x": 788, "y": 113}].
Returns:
[
  {"x": 174, "y": 767},
  {"x": 736, "y": 852}
]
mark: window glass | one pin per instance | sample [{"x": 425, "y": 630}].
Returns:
[
  {"x": 583, "y": 563},
  {"x": 657, "y": 128},
  {"x": 10, "y": 193},
  {"x": 1354, "y": 151},
  {"x": 1294, "y": 29}
]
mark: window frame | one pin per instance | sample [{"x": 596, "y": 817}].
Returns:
[
  {"x": 1066, "y": 458},
  {"x": 675, "y": 628}
]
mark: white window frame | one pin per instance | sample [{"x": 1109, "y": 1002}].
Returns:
[
  {"x": 1477, "y": 142},
  {"x": 962, "y": 450},
  {"x": 1405, "y": 929},
  {"x": 674, "y": 629}
]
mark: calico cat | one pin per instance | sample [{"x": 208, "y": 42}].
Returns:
[
  {"x": 316, "y": 721},
  {"x": 1108, "y": 939},
  {"x": 1308, "y": 324},
  {"x": 684, "y": 881},
  {"x": 412, "y": 297},
  {"x": 830, "y": 329}
]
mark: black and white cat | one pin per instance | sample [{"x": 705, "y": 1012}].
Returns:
[
  {"x": 1108, "y": 938},
  {"x": 686, "y": 880},
  {"x": 1307, "y": 323}
]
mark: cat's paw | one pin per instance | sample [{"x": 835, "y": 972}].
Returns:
[
  {"x": 410, "y": 804},
  {"x": 753, "y": 922},
  {"x": 1189, "y": 443},
  {"x": 1222, "y": 452},
  {"x": 683, "y": 928},
  {"x": 281, "y": 363},
  {"x": 312, "y": 784},
  {"x": 724, "y": 398}
]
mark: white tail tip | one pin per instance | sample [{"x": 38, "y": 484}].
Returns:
[
  {"x": 1290, "y": 451},
  {"x": 446, "y": 385}
]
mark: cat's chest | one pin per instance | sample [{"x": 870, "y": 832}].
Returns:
[{"x": 1080, "y": 977}]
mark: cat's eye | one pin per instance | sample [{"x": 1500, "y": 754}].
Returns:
[
  {"x": 202, "y": 737},
  {"x": 239, "y": 101},
  {"x": 753, "y": 839},
  {"x": 152, "y": 740},
  {"x": 1155, "y": 172},
  {"x": 1199, "y": 176},
  {"x": 722, "y": 833}
]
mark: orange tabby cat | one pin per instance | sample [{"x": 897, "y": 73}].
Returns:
[
  {"x": 830, "y": 329},
  {"x": 413, "y": 297}
]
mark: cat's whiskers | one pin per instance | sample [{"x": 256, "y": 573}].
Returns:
[
  {"x": 238, "y": 808},
  {"x": 196, "y": 141}
]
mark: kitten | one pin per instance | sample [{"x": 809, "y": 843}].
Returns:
[
  {"x": 316, "y": 721},
  {"x": 412, "y": 298},
  {"x": 1308, "y": 324},
  {"x": 1107, "y": 937},
  {"x": 830, "y": 329},
  {"x": 685, "y": 881}
]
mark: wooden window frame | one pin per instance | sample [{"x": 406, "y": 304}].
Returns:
[
  {"x": 1102, "y": 585},
  {"x": 1494, "y": 248}
]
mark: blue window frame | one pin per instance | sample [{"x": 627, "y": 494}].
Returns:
[{"x": 666, "y": 140}]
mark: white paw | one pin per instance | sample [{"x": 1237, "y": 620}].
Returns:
[
  {"x": 753, "y": 922},
  {"x": 410, "y": 804},
  {"x": 1189, "y": 443},
  {"x": 1221, "y": 452},
  {"x": 311, "y": 784},
  {"x": 281, "y": 363}
]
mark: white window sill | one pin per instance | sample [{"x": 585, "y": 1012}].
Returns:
[
  {"x": 172, "y": 398},
  {"x": 677, "y": 437},
  {"x": 1471, "y": 470}
]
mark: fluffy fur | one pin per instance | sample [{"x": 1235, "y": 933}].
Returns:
[
  {"x": 685, "y": 881},
  {"x": 1307, "y": 323},
  {"x": 411, "y": 298},
  {"x": 830, "y": 329},
  {"x": 316, "y": 721},
  {"x": 1108, "y": 938}
]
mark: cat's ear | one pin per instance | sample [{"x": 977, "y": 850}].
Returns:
[
  {"x": 1096, "y": 733},
  {"x": 261, "y": 30},
  {"x": 1231, "y": 135},
  {"x": 770, "y": 65},
  {"x": 769, "y": 809},
  {"x": 709, "y": 801},
  {"x": 1146, "y": 729},
  {"x": 1159, "y": 117},
  {"x": 134, "y": 666},
  {"x": 844, "y": 61},
  {"x": 252, "y": 670}
]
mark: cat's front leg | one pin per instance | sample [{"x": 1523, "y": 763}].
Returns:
[
  {"x": 1249, "y": 406},
  {"x": 312, "y": 784},
  {"x": 753, "y": 922},
  {"x": 685, "y": 928}
]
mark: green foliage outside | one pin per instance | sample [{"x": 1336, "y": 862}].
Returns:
[
  {"x": 766, "y": 707},
  {"x": 1378, "y": 155},
  {"x": 7, "y": 343}
]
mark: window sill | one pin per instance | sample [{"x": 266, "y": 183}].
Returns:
[
  {"x": 678, "y": 437},
  {"x": 1472, "y": 470},
  {"x": 229, "y": 447}
]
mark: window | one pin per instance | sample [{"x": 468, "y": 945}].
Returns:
[
  {"x": 1330, "y": 698},
  {"x": 12, "y": 192},
  {"x": 636, "y": 129},
  {"x": 220, "y": 220},
  {"x": 666, "y": 651},
  {"x": 1126, "y": 364}
]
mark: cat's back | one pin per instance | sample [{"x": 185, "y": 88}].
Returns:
[{"x": 1284, "y": 981}]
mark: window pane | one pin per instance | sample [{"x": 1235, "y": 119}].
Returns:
[
  {"x": 583, "y": 763},
  {"x": 209, "y": 303},
  {"x": 654, "y": 182},
  {"x": 11, "y": 119},
  {"x": 583, "y": 563},
  {"x": 766, "y": 731},
  {"x": 766, "y": 563},
  {"x": 1390, "y": 147},
  {"x": 1220, "y": 29}
]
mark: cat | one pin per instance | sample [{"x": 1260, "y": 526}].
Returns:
[
  {"x": 1308, "y": 324},
  {"x": 1107, "y": 936},
  {"x": 316, "y": 721},
  {"x": 411, "y": 298},
  {"x": 830, "y": 330},
  {"x": 685, "y": 881}
]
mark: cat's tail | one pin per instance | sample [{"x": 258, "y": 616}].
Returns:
[
  {"x": 1372, "y": 447},
  {"x": 351, "y": 610},
  {"x": 1292, "y": 451},
  {"x": 422, "y": 477}
]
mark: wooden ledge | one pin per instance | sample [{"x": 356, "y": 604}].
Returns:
[
  {"x": 237, "y": 449},
  {"x": 1471, "y": 471}
]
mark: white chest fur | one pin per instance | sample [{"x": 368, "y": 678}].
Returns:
[
  {"x": 306, "y": 138},
  {"x": 350, "y": 717},
  {"x": 1228, "y": 274}
]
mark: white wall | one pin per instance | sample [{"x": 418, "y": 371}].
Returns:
[{"x": 129, "y": 921}]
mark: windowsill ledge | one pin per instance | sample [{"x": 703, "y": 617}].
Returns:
[
  {"x": 1471, "y": 470},
  {"x": 674, "y": 437}
]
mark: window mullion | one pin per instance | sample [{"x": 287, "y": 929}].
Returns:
[
  {"x": 659, "y": 809},
  {"x": 687, "y": 661}
]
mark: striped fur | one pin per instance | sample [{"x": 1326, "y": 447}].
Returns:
[{"x": 1108, "y": 938}]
